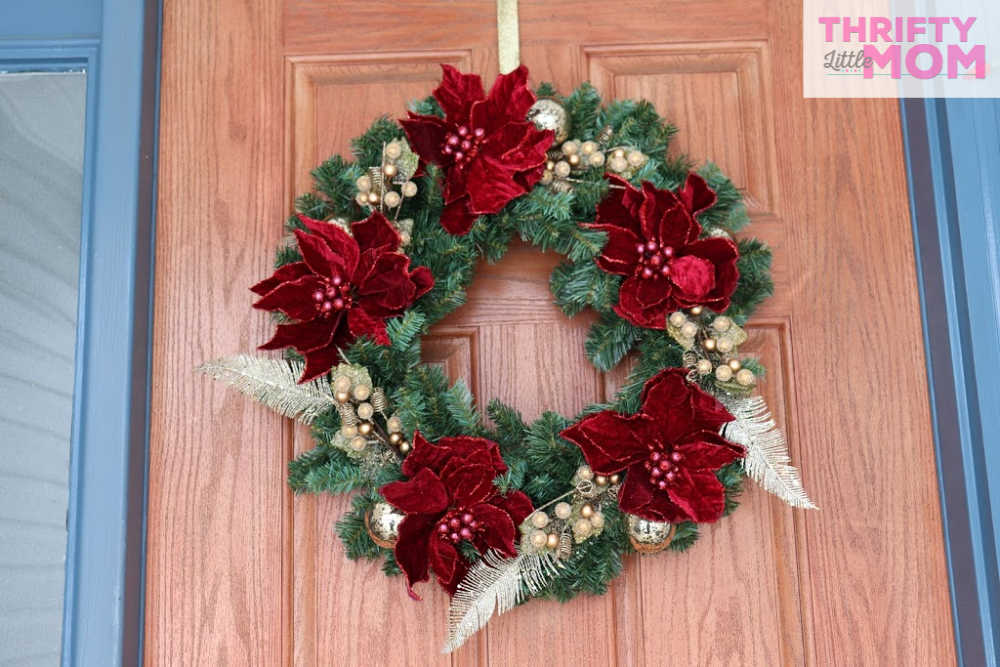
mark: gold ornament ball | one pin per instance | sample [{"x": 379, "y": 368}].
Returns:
[
  {"x": 584, "y": 472},
  {"x": 723, "y": 373},
  {"x": 697, "y": 310},
  {"x": 563, "y": 510},
  {"x": 358, "y": 443},
  {"x": 552, "y": 541},
  {"x": 394, "y": 424},
  {"x": 689, "y": 329},
  {"x": 677, "y": 319},
  {"x": 382, "y": 522},
  {"x": 404, "y": 447},
  {"x": 395, "y": 438},
  {"x": 570, "y": 148},
  {"x": 365, "y": 428},
  {"x": 587, "y": 511},
  {"x": 548, "y": 114},
  {"x": 615, "y": 478},
  {"x": 539, "y": 519},
  {"x": 601, "y": 480},
  {"x": 596, "y": 159},
  {"x": 725, "y": 345},
  {"x": 573, "y": 160},
  {"x": 649, "y": 536},
  {"x": 390, "y": 170},
  {"x": 392, "y": 199},
  {"x": 365, "y": 410},
  {"x": 342, "y": 396},
  {"x": 372, "y": 197},
  {"x": 348, "y": 431},
  {"x": 562, "y": 169},
  {"x": 635, "y": 158},
  {"x": 722, "y": 323},
  {"x": 704, "y": 366},
  {"x": 364, "y": 183},
  {"x": 409, "y": 189},
  {"x": 588, "y": 147},
  {"x": 362, "y": 392},
  {"x": 709, "y": 344},
  {"x": 538, "y": 538},
  {"x": 362, "y": 199},
  {"x": 745, "y": 377},
  {"x": 735, "y": 364},
  {"x": 582, "y": 527},
  {"x": 597, "y": 521},
  {"x": 393, "y": 150}
]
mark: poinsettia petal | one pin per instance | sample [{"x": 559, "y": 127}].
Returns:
[
  {"x": 699, "y": 493},
  {"x": 652, "y": 292},
  {"x": 294, "y": 298},
  {"x": 708, "y": 410},
  {"x": 666, "y": 389},
  {"x": 318, "y": 255},
  {"x": 319, "y": 361},
  {"x": 283, "y": 274},
  {"x": 303, "y": 336},
  {"x": 724, "y": 255},
  {"x": 362, "y": 324},
  {"x": 516, "y": 503},
  {"x": 655, "y": 203},
  {"x": 375, "y": 233},
  {"x": 608, "y": 441},
  {"x": 497, "y": 528},
  {"x": 423, "y": 280},
  {"x": 389, "y": 279},
  {"x": 456, "y": 217},
  {"x": 511, "y": 95},
  {"x": 620, "y": 254},
  {"x": 415, "y": 531},
  {"x": 638, "y": 496},
  {"x": 490, "y": 184},
  {"x": 707, "y": 450},
  {"x": 678, "y": 227},
  {"x": 344, "y": 247},
  {"x": 696, "y": 194},
  {"x": 630, "y": 308},
  {"x": 448, "y": 565},
  {"x": 467, "y": 483},
  {"x": 424, "y": 493},
  {"x": 693, "y": 276},
  {"x": 457, "y": 92},
  {"x": 423, "y": 455},
  {"x": 426, "y": 136},
  {"x": 620, "y": 207}
]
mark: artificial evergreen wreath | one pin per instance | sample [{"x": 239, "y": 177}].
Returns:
[{"x": 500, "y": 511}]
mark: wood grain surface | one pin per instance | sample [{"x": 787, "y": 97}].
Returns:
[{"x": 241, "y": 573}]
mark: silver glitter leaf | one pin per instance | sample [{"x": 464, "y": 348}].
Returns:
[
  {"x": 767, "y": 460},
  {"x": 497, "y": 584},
  {"x": 273, "y": 382}
]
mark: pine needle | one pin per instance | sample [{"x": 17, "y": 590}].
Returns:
[
  {"x": 767, "y": 460},
  {"x": 273, "y": 382}
]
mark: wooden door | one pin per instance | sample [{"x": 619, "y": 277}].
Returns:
[{"x": 241, "y": 573}]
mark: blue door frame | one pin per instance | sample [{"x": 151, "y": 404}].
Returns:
[
  {"x": 953, "y": 164},
  {"x": 117, "y": 43}
]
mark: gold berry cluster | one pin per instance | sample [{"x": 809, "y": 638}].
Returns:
[
  {"x": 712, "y": 344},
  {"x": 384, "y": 187},
  {"x": 364, "y": 413},
  {"x": 574, "y": 156}
]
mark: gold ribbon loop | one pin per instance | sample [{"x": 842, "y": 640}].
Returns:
[{"x": 508, "y": 40}]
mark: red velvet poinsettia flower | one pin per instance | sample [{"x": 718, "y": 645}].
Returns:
[
  {"x": 347, "y": 286},
  {"x": 450, "y": 498},
  {"x": 489, "y": 152},
  {"x": 653, "y": 239},
  {"x": 670, "y": 449}
]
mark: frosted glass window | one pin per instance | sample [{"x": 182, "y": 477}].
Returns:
[{"x": 41, "y": 167}]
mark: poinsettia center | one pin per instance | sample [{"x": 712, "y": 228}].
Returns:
[
  {"x": 662, "y": 466},
  {"x": 654, "y": 258},
  {"x": 333, "y": 297},
  {"x": 457, "y": 526},
  {"x": 463, "y": 143}
]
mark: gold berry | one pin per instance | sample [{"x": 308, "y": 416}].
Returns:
[
  {"x": 342, "y": 396},
  {"x": 393, "y": 150},
  {"x": 390, "y": 170},
  {"x": 394, "y": 424},
  {"x": 601, "y": 480},
  {"x": 570, "y": 147},
  {"x": 563, "y": 510},
  {"x": 582, "y": 527},
  {"x": 745, "y": 377},
  {"x": 735, "y": 364},
  {"x": 696, "y": 310},
  {"x": 364, "y": 428},
  {"x": 587, "y": 511},
  {"x": 597, "y": 521},
  {"x": 538, "y": 538},
  {"x": 372, "y": 197},
  {"x": 584, "y": 472},
  {"x": 725, "y": 345},
  {"x": 364, "y": 183},
  {"x": 342, "y": 383},
  {"x": 677, "y": 319},
  {"x": 404, "y": 447},
  {"x": 395, "y": 438},
  {"x": 722, "y": 323},
  {"x": 392, "y": 199},
  {"x": 596, "y": 159},
  {"x": 348, "y": 431},
  {"x": 552, "y": 541},
  {"x": 588, "y": 147},
  {"x": 539, "y": 519},
  {"x": 709, "y": 344},
  {"x": 615, "y": 478},
  {"x": 723, "y": 373},
  {"x": 365, "y": 410},
  {"x": 362, "y": 392},
  {"x": 358, "y": 443},
  {"x": 689, "y": 329},
  {"x": 409, "y": 189},
  {"x": 704, "y": 366}
]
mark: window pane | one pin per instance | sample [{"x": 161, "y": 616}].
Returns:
[{"x": 41, "y": 167}]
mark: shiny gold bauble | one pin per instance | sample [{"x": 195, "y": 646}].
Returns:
[
  {"x": 614, "y": 479},
  {"x": 587, "y": 511},
  {"x": 409, "y": 189},
  {"x": 342, "y": 396},
  {"x": 539, "y": 519},
  {"x": 563, "y": 510},
  {"x": 677, "y": 319},
  {"x": 365, "y": 410},
  {"x": 404, "y": 447},
  {"x": 649, "y": 536},
  {"x": 358, "y": 443},
  {"x": 392, "y": 199},
  {"x": 538, "y": 538},
  {"x": 709, "y": 344},
  {"x": 362, "y": 392},
  {"x": 745, "y": 377},
  {"x": 365, "y": 428},
  {"x": 704, "y": 366},
  {"x": 552, "y": 540},
  {"x": 390, "y": 170},
  {"x": 364, "y": 183},
  {"x": 584, "y": 472},
  {"x": 601, "y": 480},
  {"x": 723, "y": 373},
  {"x": 548, "y": 114},
  {"x": 696, "y": 310},
  {"x": 395, "y": 438},
  {"x": 735, "y": 364},
  {"x": 342, "y": 383},
  {"x": 382, "y": 522}
]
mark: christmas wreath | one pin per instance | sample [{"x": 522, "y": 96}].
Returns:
[{"x": 499, "y": 510}]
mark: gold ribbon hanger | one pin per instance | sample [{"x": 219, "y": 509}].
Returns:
[{"x": 508, "y": 39}]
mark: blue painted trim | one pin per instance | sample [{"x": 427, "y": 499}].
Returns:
[
  {"x": 103, "y": 607},
  {"x": 953, "y": 162}
]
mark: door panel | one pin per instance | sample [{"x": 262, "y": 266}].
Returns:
[{"x": 240, "y": 572}]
